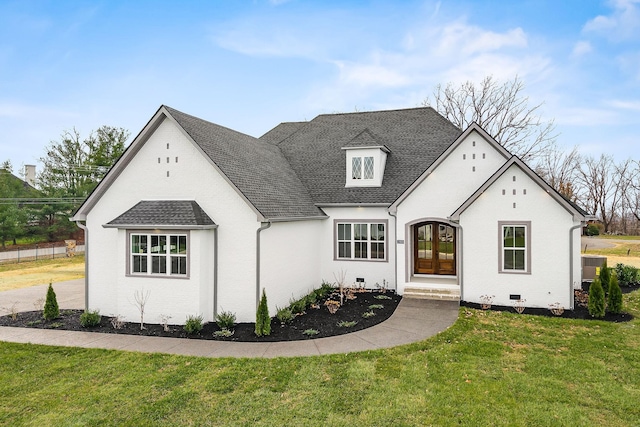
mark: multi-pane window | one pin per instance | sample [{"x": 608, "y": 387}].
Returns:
[
  {"x": 514, "y": 248},
  {"x": 158, "y": 254},
  {"x": 362, "y": 168},
  {"x": 361, "y": 240}
]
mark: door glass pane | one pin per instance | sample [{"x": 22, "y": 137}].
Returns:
[
  {"x": 445, "y": 244},
  {"x": 425, "y": 241}
]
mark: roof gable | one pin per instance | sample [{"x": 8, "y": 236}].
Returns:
[
  {"x": 474, "y": 127},
  {"x": 578, "y": 214},
  {"x": 256, "y": 169}
]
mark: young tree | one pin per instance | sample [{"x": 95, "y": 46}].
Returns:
[
  {"x": 614, "y": 301},
  {"x": 502, "y": 110},
  {"x": 263, "y": 321},
  {"x": 51, "y": 310},
  {"x": 596, "y": 299}
]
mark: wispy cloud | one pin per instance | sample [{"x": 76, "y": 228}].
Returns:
[
  {"x": 581, "y": 48},
  {"x": 622, "y": 24}
]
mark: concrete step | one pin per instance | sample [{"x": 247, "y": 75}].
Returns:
[{"x": 446, "y": 293}]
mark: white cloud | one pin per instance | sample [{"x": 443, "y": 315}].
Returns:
[
  {"x": 581, "y": 48},
  {"x": 622, "y": 24},
  {"x": 624, "y": 105}
]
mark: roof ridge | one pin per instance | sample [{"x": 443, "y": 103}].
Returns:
[
  {"x": 172, "y": 110},
  {"x": 376, "y": 111}
]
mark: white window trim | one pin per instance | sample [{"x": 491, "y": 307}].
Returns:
[
  {"x": 527, "y": 246},
  {"x": 352, "y": 241},
  {"x": 168, "y": 234}
]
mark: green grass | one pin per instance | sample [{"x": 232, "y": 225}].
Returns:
[
  {"x": 612, "y": 237},
  {"x": 489, "y": 368},
  {"x": 621, "y": 249}
]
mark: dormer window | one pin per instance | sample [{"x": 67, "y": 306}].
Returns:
[
  {"x": 365, "y": 159},
  {"x": 362, "y": 167}
]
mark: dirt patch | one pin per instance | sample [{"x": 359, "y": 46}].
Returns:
[{"x": 318, "y": 319}]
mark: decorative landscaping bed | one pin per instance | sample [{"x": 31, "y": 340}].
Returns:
[
  {"x": 350, "y": 317},
  {"x": 580, "y": 310}
]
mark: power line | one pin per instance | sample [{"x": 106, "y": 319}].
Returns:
[{"x": 41, "y": 201}]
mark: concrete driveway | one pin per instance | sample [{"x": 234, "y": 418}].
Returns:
[{"x": 70, "y": 295}]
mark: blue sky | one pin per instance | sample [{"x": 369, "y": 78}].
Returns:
[{"x": 250, "y": 65}]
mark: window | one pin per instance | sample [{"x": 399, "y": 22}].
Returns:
[
  {"x": 515, "y": 247},
  {"x": 362, "y": 168},
  {"x": 158, "y": 254},
  {"x": 361, "y": 241}
]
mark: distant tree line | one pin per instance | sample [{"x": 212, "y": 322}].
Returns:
[
  {"x": 71, "y": 168},
  {"x": 607, "y": 189}
]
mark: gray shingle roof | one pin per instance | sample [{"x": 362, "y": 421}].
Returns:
[
  {"x": 257, "y": 168},
  {"x": 415, "y": 137},
  {"x": 282, "y": 131},
  {"x": 164, "y": 213}
]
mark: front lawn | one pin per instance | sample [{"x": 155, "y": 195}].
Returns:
[
  {"x": 490, "y": 368},
  {"x": 29, "y": 273}
]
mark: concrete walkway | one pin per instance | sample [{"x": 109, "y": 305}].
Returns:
[{"x": 413, "y": 320}]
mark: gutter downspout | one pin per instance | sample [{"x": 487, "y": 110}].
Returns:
[
  {"x": 395, "y": 255},
  {"x": 571, "y": 261},
  {"x": 215, "y": 273},
  {"x": 86, "y": 264},
  {"x": 264, "y": 226}
]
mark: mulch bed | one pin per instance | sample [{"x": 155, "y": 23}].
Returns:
[
  {"x": 580, "y": 311},
  {"x": 315, "y": 318}
]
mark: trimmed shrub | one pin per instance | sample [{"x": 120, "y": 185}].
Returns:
[
  {"x": 263, "y": 321},
  {"x": 90, "y": 318},
  {"x": 226, "y": 320},
  {"x": 193, "y": 325},
  {"x": 298, "y": 306},
  {"x": 284, "y": 315},
  {"x": 593, "y": 230},
  {"x": 605, "y": 277},
  {"x": 596, "y": 299},
  {"x": 51, "y": 310},
  {"x": 614, "y": 301},
  {"x": 627, "y": 274}
]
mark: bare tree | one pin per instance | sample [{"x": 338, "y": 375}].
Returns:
[
  {"x": 502, "y": 110},
  {"x": 602, "y": 187},
  {"x": 141, "y": 298},
  {"x": 558, "y": 168}
]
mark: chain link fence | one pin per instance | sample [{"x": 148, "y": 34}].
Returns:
[{"x": 65, "y": 249}]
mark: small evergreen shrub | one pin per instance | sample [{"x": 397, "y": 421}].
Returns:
[
  {"x": 51, "y": 310},
  {"x": 284, "y": 315},
  {"x": 226, "y": 320},
  {"x": 627, "y": 274},
  {"x": 376, "y": 306},
  {"x": 368, "y": 314},
  {"x": 310, "y": 332},
  {"x": 596, "y": 299},
  {"x": 605, "y": 277},
  {"x": 298, "y": 306},
  {"x": 224, "y": 332},
  {"x": 263, "y": 321},
  {"x": 90, "y": 318},
  {"x": 614, "y": 300},
  {"x": 193, "y": 325},
  {"x": 347, "y": 323},
  {"x": 593, "y": 230}
]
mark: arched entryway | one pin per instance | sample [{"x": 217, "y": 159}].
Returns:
[{"x": 434, "y": 248}]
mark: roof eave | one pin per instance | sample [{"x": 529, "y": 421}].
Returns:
[{"x": 161, "y": 226}]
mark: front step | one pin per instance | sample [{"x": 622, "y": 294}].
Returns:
[{"x": 444, "y": 293}]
